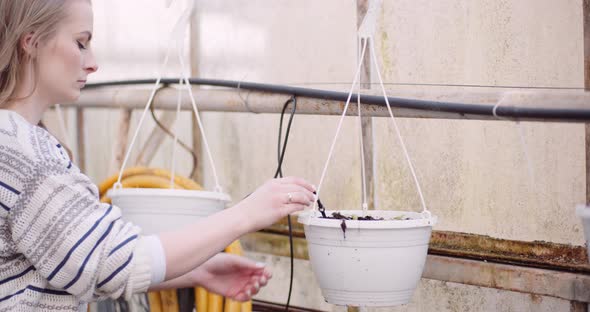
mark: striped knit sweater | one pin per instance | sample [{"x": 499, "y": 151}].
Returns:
[{"x": 59, "y": 246}]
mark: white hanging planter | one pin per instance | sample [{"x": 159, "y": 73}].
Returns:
[
  {"x": 583, "y": 212},
  {"x": 160, "y": 210},
  {"x": 371, "y": 263}
]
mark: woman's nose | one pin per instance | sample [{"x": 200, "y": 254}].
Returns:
[{"x": 90, "y": 65}]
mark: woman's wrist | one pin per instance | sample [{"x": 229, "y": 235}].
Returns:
[
  {"x": 242, "y": 221},
  {"x": 191, "y": 246},
  {"x": 184, "y": 281}
]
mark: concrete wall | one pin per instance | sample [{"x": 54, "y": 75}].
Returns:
[
  {"x": 486, "y": 187},
  {"x": 474, "y": 174}
]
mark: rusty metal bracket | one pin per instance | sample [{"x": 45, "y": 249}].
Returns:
[{"x": 537, "y": 254}]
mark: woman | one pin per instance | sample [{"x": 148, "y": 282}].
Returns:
[{"x": 59, "y": 246}]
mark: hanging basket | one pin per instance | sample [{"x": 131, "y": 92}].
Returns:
[
  {"x": 583, "y": 212},
  {"x": 369, "y": 263},
  {"x": 160, "y": 210}
]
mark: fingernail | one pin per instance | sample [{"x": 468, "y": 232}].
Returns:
[
  {"x": 248, "y": 293},
  {"x": 260, "y": 265},
  {"x": 257, "y": 286},
  {"x": 263, "y": 280}
]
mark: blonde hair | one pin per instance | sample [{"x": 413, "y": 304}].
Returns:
[{"x": 17, "y": 19}]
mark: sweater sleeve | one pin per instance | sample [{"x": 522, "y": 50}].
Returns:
[{"x": 77, "y": 243}]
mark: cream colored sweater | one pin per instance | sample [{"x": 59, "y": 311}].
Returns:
[{"x": 59, "y": 246}]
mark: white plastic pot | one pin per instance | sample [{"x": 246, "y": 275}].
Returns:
[
  {"x": 583, "y": 212},
  {"x": 159, "y": 210},
  {"x": 372, "y": 263}
]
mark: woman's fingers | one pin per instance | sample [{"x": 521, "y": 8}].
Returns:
[
  {"x": 242, "y": 297},
  {"x": 298, "y": 181},
  {"x": 247, "y": 294},
  {"x": 258, "y": 280},
  {"x": 262, "y": 273},
  {"x": 263, "y": 280},
  {"x": 297, "y": 198},
  {"x": 293, "y": 188},
  {"x": 268, "y": 273},
  {"x": 249, "y": 290},
  {"x": 284, "y": 196}
]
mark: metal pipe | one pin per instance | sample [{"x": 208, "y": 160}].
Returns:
[{"x": 265, "y": 98}]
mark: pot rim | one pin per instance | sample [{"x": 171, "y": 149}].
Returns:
[
  {"x": 313, "y": 218},
  {"x": 156, "y": 194}
]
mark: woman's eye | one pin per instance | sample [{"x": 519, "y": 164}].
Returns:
[{"x": 81, "y": 46}]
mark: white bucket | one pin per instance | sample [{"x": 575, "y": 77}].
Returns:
[
  {"x": 583, "y": 212},
  {"x": 378, "y": 263},
  {"x": 159, "y": 210}
]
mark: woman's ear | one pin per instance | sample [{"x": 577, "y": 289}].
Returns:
[{"x": 29, "y": 44}]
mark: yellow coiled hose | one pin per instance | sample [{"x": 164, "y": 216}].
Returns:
[{"x": 167, "y": 300}]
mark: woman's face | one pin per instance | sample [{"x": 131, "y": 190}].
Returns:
[{"x": 66, "y": 59}]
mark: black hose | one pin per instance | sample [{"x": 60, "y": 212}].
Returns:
[
  {"x": 281, "y": 149},
  {"x": 437, "y": 106},
  {"x": 180, "y": 142}
]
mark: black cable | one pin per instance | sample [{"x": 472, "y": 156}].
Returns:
[
  {"x": 438, "y": 106},
  {"x": 347, "y": 83},
  {"x": 281, "y": 150},
  {"x": 182, "y": 144},
  {"x": 279, "y": 173},
  {"x": 169, "y": 133}
]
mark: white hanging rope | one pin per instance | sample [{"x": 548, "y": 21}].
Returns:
[
  {"x": 147, "y": 107},
  {"x": 174, "y": 145},
  {"x": 364, "y": 205},
  {"x": 200, "y": 123},
  {"x": 339, "y": 128},
  {"x": 399, "y": 136},
  {"x": 366, "y": 32},
  {"x": 178, "y": 35}
]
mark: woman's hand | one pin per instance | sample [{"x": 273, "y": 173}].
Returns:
[
  {"x": 191, "y": 246},
  {"x": 231, "y": 276},
  {"x": 276, "y": 199}
]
